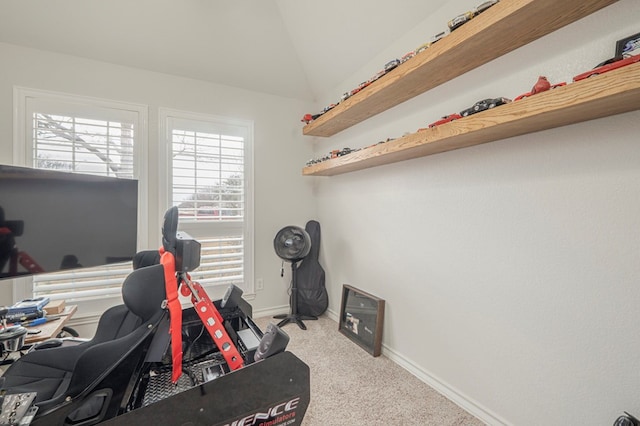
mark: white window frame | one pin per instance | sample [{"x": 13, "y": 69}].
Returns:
[
  {"x": 23, "y": 98},
  {"x": 165, "y": 117}
]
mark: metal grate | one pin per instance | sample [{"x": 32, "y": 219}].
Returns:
[{"x": 194, "y": 373}]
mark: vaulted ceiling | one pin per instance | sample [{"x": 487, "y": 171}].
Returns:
[{"x": 290, "y": 48}]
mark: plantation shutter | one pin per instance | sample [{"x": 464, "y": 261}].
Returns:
[
  {"x": 80, "y": 284},
  {"x": 209, "y": 181}
]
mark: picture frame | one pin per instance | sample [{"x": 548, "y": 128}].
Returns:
[
  {"x": 628, "y": 45},
  {"x": 362, "y": 319}
]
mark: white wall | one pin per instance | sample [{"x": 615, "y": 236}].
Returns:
[
  {"x": 510, "y": 269},
  {"x": 282, "y": 197}
]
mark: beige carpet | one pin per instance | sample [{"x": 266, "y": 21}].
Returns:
[{"x": 350, "y": 387}]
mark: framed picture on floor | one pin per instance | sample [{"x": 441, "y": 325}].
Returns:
[{"x": 361, "y": 318}]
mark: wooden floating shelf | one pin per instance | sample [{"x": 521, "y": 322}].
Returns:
[
  {"x": 504, "y": 27},
  {"x": 599, "y": 96}
]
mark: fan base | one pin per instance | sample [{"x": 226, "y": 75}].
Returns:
[{"x": 286, "y": 319}]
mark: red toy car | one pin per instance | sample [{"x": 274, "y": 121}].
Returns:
[
  {"x": 608, "y": 67},
  {"x": 445, "y": 119},
  {"x": 359, "y": 88},
  {"x": 307, "y": 118},
  {"x": 542, "y": 85}
]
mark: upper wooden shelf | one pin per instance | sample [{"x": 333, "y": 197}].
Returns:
[
  {"x": 502, "y": 28},
  {"x": 599, "y": 96}
]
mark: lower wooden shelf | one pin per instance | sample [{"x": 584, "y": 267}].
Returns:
[{"x": 599, "y": 96}]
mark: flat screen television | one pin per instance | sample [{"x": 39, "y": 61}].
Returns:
[{"x": 52, "y": 220}]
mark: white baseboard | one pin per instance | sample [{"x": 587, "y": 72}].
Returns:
[
  {"x": 333, "y": 315},
  {"x": 269, "y": 312},
  {"x": 466, "y": 403},
  {"x": 473, "y": 407}
]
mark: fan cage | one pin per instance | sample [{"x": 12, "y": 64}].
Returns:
[{"x": 292, "y": 243}]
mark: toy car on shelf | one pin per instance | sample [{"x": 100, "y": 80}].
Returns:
[
  {"x": 307, "y": 118},
  {"x": 428, "y": 44},
  {"x": 328, "y": 108},
  {"x": 318, "y": 160},
  {"x": 460, "y": 20},
  {"x": 407, "y": 56},
  {"x": 378, "y": 143},
  {"x": 377, "y": 76},
  {"x": 484, "y": 6},
  {"x": 346, "y": 151},
  {"x": 423, "y": 47},
  {"x": 463, "y": 18},
  {"x": 360, "y": 87},
  {"x": 445, "y": 119},
  {"x": 608, "y": 65},
  {"x": 542, "y": 85},
  {"x": 484, "y": 105},
  {"x": 340, "y": 152},
  {"x": 391, "y": 65}
]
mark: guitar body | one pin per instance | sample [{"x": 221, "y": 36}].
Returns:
[{"x": 313, "y": 299}]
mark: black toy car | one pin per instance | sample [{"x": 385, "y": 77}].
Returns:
[
  {"x": 483, "y": 105},
  {"x": 345, "y": 151}
]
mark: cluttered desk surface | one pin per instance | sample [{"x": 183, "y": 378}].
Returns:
[{"x": 52, "y": 327}]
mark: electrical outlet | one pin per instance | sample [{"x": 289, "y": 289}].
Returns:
[{"x": 259, "y": 284}]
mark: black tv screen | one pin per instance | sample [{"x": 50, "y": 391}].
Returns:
[{"x": 52, "y": 220}]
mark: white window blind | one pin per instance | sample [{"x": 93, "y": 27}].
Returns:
[
  {"x": 81, "y": 135},
  {"x": 221, "y": 261},
  {"x": 210, "y": 169},
  {"x": 79, "y": 284},
  {"x": 208, "y": 175},
  {"x": 76, "y": 144}
]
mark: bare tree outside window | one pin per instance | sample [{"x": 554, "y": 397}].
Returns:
[{"x": 83, "y": 145}]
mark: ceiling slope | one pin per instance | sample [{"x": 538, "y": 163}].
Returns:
[{"x": 290, "y": 48}]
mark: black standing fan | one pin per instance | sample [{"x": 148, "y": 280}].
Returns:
[{"x": 292, "y": 244}]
